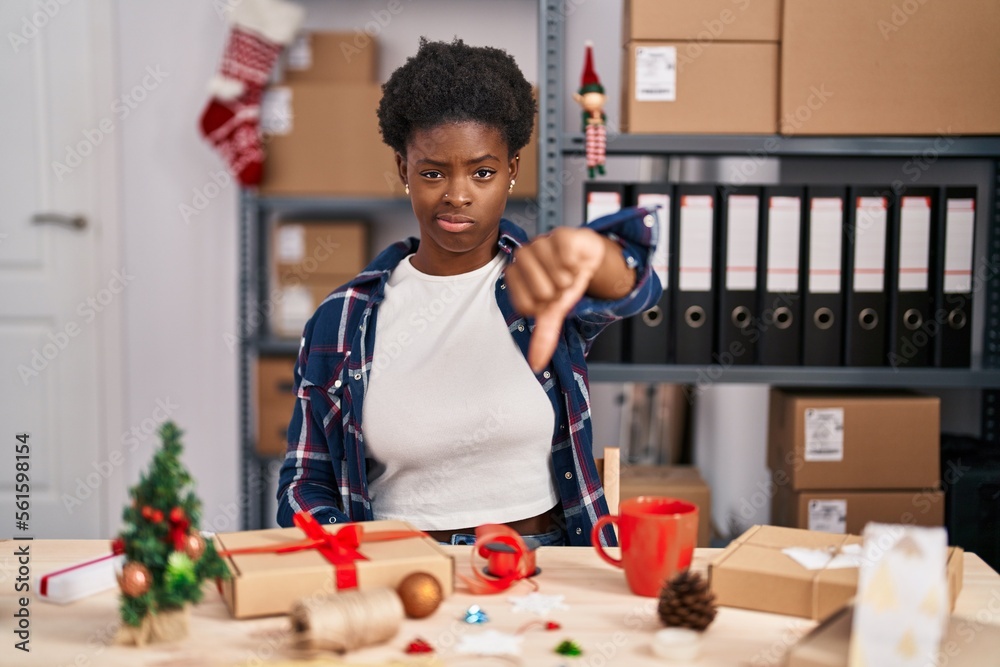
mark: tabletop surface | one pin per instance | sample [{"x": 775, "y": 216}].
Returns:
[{"x": 612, "y": 626}]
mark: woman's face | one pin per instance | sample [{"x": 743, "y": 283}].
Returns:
[{"x": 459, "y": 175}]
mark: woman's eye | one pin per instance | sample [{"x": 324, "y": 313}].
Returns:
[
  {"x": 432, "y": 174},
  {"x": 484, "y": 173}
]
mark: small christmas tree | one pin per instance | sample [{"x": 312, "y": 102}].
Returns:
[{"x": 166, "y": 558}]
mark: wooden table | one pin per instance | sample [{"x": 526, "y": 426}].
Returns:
[{"x": 613, "y": 626}]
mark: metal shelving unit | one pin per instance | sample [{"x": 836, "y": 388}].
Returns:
[
  {"x": 554, "y": 144},
  {"x": 557, "y": 143}
]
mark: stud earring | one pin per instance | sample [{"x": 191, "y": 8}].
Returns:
[
  {"x": 511, "y": 188},
  {"x": 406, "y": 189}
]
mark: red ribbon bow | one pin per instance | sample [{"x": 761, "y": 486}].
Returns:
[
  {"x": 340, "y": 548},
  {"x": 508, "y": 568}
]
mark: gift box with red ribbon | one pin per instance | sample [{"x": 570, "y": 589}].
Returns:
[{"x": 272, "y": 569}]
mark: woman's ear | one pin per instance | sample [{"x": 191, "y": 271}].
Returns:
[
  {"x": 515, "y": 163},
  {"x": 401, "y": 167}
]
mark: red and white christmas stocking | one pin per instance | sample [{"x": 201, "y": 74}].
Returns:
[{"x": 260, "y": 30}]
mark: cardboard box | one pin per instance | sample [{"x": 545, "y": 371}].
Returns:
[
  {"x": 753, "y": 573},
  {"x": 720, "y": 87},
  {"x": 703, "y": 20},
  {"x": 331, "y": 57},
  {"x": 847, "y": 512},
  {"x": 862, "y": 441},
  {"x": 966, "y": 643},
  {"x": 309, "y": 249},
  {"x": 295, "y": 301},
  {"x": 275, "y": 403},
  {"x": 890, "y": 68},
  {"x": 682, "y": 482},
  {"x": 269, "y": 584},
  {"x": 323, "y": 139}
]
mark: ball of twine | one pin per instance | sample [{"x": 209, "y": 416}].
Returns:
[{"x": 346, "y": 621}]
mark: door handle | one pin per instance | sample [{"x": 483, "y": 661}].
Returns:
[{"x": 72, "y": 221}]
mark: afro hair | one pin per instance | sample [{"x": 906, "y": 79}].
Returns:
[{"x": 446, "y": 83}]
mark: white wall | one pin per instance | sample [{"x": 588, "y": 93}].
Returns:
[{"x": 183, "y": 301}]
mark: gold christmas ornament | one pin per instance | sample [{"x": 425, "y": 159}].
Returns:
[
  {"x": 421, "y": 594},
  {"x": 194, "y": 546},
  {"x": 134, "y": 579}
]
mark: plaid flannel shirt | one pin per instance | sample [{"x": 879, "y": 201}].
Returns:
[{"x": 325, "y": 468}]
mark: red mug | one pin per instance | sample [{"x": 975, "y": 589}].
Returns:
[{"x": 657, "y": 537}]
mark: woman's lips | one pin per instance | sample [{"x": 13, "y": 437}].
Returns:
[{"x": 454, "y": 223}]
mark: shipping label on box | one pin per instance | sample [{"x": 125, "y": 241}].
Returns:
[{"x": 379, "y": 553}]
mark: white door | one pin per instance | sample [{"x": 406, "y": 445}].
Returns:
[{"x": 60, "y": 302}]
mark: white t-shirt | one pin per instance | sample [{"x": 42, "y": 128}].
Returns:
[{"x": 458, "y": 425}]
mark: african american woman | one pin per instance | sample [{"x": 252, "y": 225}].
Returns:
[{"x": 446, "y": 385}]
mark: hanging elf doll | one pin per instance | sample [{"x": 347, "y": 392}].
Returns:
[{"x": 591, "y": 97}]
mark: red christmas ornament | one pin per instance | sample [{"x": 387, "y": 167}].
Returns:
[
  {"x": 180, "y": 526},
  {"x": 157, "y": 516},
  {"x": 418, "y": 645},
  {"x": 147, "y": 512}
]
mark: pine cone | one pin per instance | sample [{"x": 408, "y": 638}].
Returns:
[{"x": 686, "y": 601}]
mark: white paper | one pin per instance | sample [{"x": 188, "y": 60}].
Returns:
[
  {"x": 276, "y": 111},
  {"x": 661, "y": 256},
  {"x": 538, "y": 604},
  {"x": 826, "y": 223},
  {"x": 300, "y": 52},
  {"x": 958, "y": 246},
  {"x": 828, "y": 516},
  {"x": 92, "y": 578},
  {"x": 741, "y": 243},
  {"x": 824, "y": 434},
  {"x": 914, "y": 243},
  {"x": 291, "y": 246},
  {"x": 696, "y": 240},
  {"x": 489, "y": 642},
  {"x": 901, "y": 607},
  {"x": 818, "y": 559},
  {"x": 600, "y": 204},
  {"x": 784, "y": 226},
  {"x": 870, "y": 226},
  {"x": 656, "y": 73}
]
